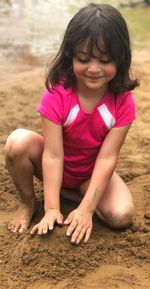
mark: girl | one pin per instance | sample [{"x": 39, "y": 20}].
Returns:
[{"x": 86, "y": 113}]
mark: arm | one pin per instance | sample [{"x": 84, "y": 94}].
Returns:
[
  {"x": 52, "y": 166},
  {"x": 80, "y": 220},
  {"x": 104, "y": 166}
]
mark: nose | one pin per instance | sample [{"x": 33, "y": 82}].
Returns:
[{"x": 94, "y": 66}]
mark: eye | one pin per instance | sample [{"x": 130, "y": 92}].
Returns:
[
  {"x": 83, "y": 60},
  {"x": 105, "y": 61}
]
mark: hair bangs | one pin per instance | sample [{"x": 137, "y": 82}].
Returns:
[
  {"x": 113, "y": 41},
  {"x": 88, "y": 30}
]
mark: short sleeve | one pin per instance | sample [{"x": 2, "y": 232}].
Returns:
[
  {"x": 125, "y": 109},
  {"x": 51, "y": 106}
]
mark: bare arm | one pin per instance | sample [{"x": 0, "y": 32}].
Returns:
[
  {"x": 104, "y": 166},
  {"x": 52, "y": 166}
]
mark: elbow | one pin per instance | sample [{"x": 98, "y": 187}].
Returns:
[{"x": 109, "y": 161}]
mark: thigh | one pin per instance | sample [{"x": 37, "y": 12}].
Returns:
[{"x": 116, "y": 197}]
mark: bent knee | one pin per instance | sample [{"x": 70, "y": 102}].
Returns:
[
  {"x": 120, "y": 217},
  {"x": 18, "y": 143}
]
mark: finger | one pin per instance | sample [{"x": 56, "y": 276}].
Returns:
[
  {"x": 87, "y": 235},
  {"x": 50, "y": 225},
  {"x": 60, "y": 219},
  {"x": 45, "y": 228},
  {"x": 71, "y": 228},
  {"x": 76, "y": 233},
  {"x": 68, "y": 220},
  {"x": 40, "y": 229},
  {"x": 81, "y": 235},
  {"x": 34, "y": 229}
]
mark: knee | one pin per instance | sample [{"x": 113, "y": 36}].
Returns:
[
  {"x": 120, "y": 217},
  {"x": 16, "y": 144}
]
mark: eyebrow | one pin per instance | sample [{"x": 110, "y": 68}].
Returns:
[
  {"x": 87, "y": 54},
  {"x": 82, "y": 52}
]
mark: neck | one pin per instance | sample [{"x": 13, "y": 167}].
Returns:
[
  {"x": 96, "y": 94},
  {"x": 89, "y": 98}
]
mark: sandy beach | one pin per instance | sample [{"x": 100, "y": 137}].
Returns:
[{"x": 111, "y": 259}]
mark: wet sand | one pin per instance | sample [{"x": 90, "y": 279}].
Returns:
[{"x": 112, "y": 259}]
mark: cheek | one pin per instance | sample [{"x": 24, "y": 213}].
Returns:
[
  {"x": 111, "y": 71},
  {"x": 77, "y": 69}
]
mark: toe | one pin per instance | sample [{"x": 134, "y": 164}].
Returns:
[
  {"x": 16, "y": 228},
  {"x": 11, "y": 226},
  {"x": 23, "y": 228}
]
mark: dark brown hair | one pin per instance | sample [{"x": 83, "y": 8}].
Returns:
[{"x": 95, "y": 22}]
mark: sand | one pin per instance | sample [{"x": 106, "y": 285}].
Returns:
[{"x": 111, "y": 259}]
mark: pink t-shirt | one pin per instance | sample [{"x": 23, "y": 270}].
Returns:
[{"x": 84, "y": 133}]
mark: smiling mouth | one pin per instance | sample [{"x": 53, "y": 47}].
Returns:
[{"x": 94, "y": 77}]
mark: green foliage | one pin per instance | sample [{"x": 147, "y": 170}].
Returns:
[{"x": 138, "y": 20}]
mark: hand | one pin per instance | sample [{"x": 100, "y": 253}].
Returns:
[
  {"x": 80, "y": 225},
  {"x": 47, "y": 222}
]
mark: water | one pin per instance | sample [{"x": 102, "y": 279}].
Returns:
[{"x": 32, "y": 29}]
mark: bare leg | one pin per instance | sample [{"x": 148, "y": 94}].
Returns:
[
  {"x": 23, "y": 152},
  {"x": 116, "y": 207}
]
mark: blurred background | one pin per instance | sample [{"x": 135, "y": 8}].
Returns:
[{"x": 31, "y": 30}]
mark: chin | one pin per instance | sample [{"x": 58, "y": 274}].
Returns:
[{"x": 95, "y": 86}]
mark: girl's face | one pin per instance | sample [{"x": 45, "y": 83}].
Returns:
[{"x": 93, "y": 72}]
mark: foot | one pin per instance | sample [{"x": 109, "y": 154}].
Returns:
[{"x": 22, "y": 217}]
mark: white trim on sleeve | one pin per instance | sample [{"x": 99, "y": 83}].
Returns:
[
  {"x": 72, "y": 115},
  {"x": 106, "y": 116}
]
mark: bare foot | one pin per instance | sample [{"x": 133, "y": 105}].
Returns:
[{"x": 22, "y": 217}]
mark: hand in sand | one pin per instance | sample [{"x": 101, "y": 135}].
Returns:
[
  {"x": 51, "y": 217},
  {"x": 80, "y": 225}
]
